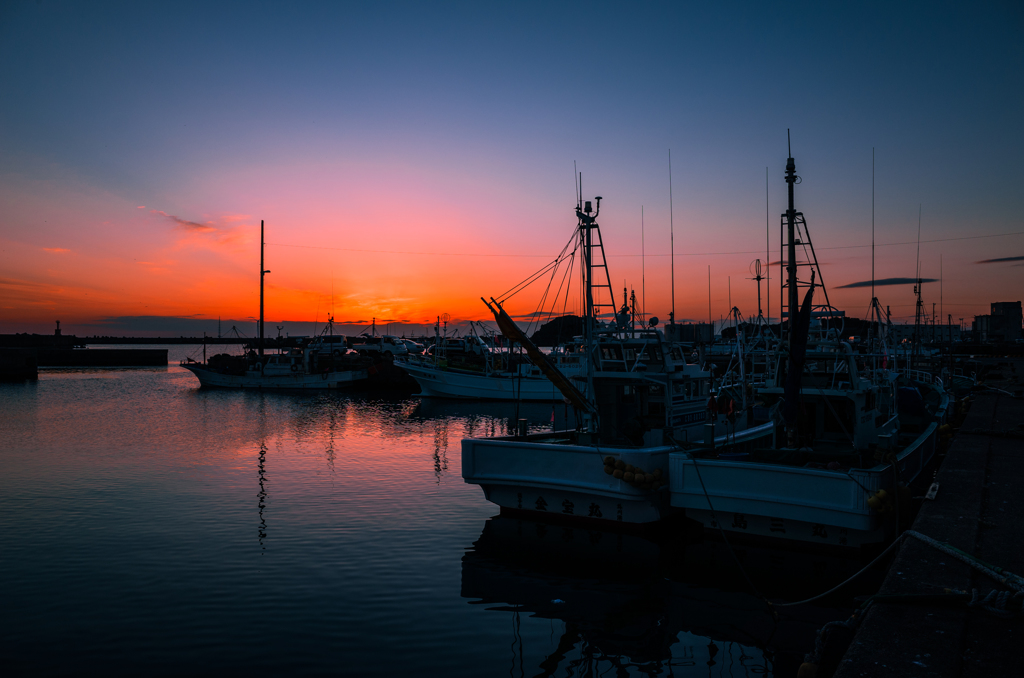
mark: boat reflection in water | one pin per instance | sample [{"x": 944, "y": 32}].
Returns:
[{"x": 628, "y": 603}]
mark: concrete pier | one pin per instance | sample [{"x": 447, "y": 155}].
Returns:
[
  {"x": 979, "y": 509},
  {"x": 18, "y": 364}
]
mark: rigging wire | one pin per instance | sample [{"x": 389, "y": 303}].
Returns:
[
  {"x": 535, "y": 276},
  {"x": 681, "y": 254}
]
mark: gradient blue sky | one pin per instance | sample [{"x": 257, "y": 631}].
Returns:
[{"x": 452, "y": 129}]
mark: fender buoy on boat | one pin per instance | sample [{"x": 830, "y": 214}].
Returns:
[{"x": 295, "y": 368}]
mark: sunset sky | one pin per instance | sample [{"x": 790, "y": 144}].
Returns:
[{"x": 410, "y": 158}]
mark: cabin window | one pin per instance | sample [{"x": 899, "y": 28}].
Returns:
[
  {"x": 611, "y": 353},
  {"x": 630, "y": 354},
  {"x": 677, "y": 354}
]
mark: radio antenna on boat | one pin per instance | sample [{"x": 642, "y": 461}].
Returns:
[
  {"x": 643, "y": 268},
  {"x": 917, "y": 287},
  {"x": 575, "y": 185},
  {"x": 767, "y": 253},
  {"x": 671, "y": 238},
  {"x": 710, "y": 321}
]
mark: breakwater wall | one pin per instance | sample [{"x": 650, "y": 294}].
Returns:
[
  {"x": 106, "y": 357},
  {"x": 18, "y": 364}
]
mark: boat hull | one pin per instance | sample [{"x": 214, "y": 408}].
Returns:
[
  {"x": 291, "y": 381},
  {"x": 792, "y": 503},
  {"x": 547, "y": 477},
  {"x": 440, "y": 383}
]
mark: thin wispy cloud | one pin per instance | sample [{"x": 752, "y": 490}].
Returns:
[
  {"x": 158, "y": 266},
  {"x": 185, "y": 223},
  {"x": 56, "y": 250},
  {"x": 1000, "y": 260},
  {"x": 882, "y": 282},
  {"x": 231, "y": 230}
]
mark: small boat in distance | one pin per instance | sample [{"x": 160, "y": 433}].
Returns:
[
  {"x": 317, "y": 364},
  {"x": 371, "y": 343}
]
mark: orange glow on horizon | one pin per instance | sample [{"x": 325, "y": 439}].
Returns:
[{"x": 87, "y": 255}]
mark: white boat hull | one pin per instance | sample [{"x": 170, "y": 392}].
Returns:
[
  {"x": 441, "y": 383},
  {"x": 291, "y": 380},
  {"x": 553, "y": 479},
  {"x": 791, "y": 502},
  {"x": 549, "y": 478}
]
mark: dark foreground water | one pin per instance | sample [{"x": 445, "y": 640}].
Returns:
[{"x": 148, "y": 527}]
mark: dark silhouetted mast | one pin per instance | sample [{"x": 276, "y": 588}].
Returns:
[
  {"x": 262, "y": 273},
  {"x": 793, "y": 301}
]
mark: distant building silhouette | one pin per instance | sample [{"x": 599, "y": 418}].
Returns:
[{"x": 1002, "y": 324}]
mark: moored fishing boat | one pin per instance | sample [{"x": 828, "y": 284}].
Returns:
[
  {"x": 320, "y": 364},
  {"x": 473, "y": 369},
  {"x": 634, "y": 398},
  {"x": 301, "y": 368},
  {"x": 857, "y": 432}
]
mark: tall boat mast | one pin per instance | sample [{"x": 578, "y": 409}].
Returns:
[
  {"x": 588, "y": 219},
  {"x": 794, "y": 302},
  {"x": 262, "y": 273}
]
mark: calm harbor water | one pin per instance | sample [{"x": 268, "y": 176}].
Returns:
[{"x": 147, "y": 526}]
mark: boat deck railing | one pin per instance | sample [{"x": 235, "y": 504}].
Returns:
[{"x": 922, "y": 376}]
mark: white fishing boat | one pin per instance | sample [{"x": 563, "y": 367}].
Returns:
[
  {"x": 858, "y": 431},
  {"x": 470, "y": 367},
  {"x": 525, "y": 382},
  {"x": 371, "y": 343},
  {"x": 634, "y": 398},
  {"x": 318, "y": 365},
  {"x": 296, "y": 368}
]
